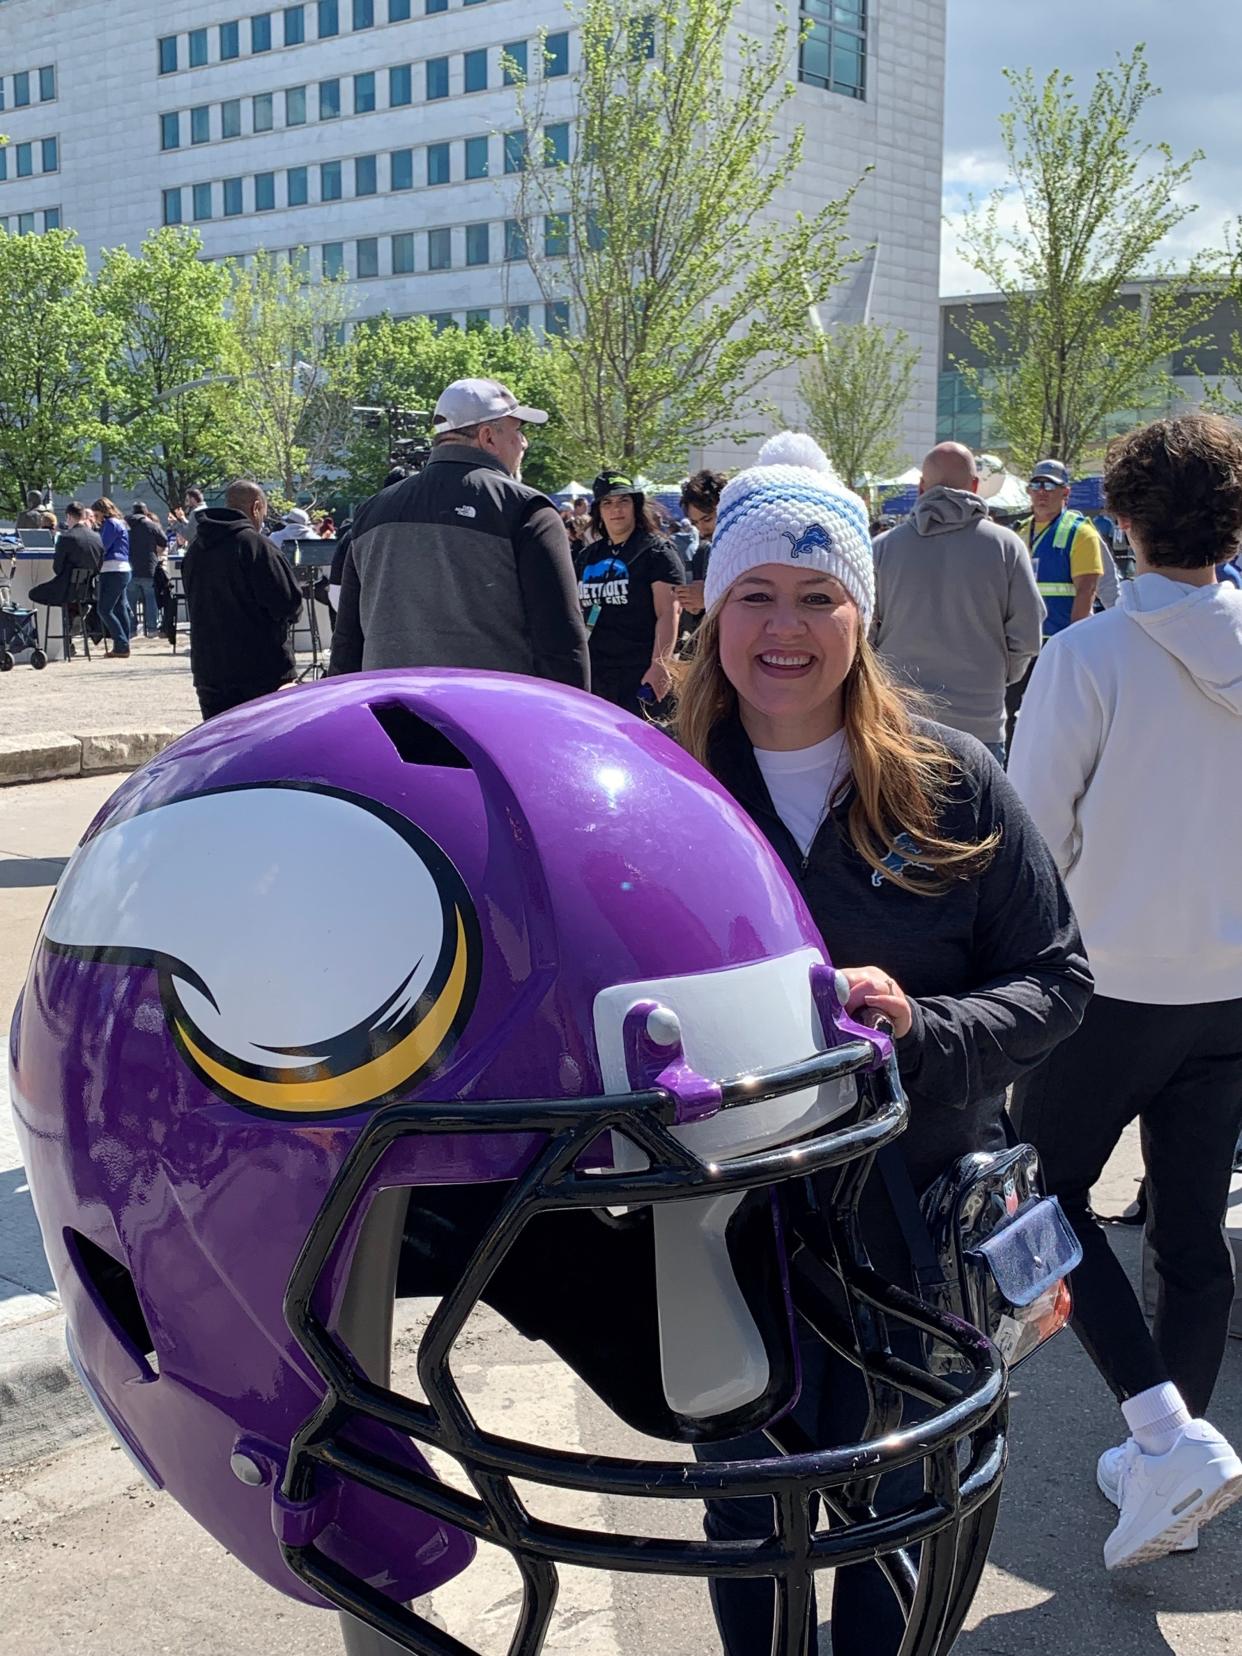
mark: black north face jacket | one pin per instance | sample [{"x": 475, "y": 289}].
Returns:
[{"x": 461, "y": 566}]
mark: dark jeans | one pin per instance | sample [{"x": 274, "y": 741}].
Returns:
[
  {"x": 866, "y": 1618},
  {"x": 1178, "y": 1069},
  {"x": 997, "y": 750},
  {"x": 1013, "y": 702},
  {"x": 143, "y": 586},
  {"x": 114, "y": 607},
  {"x": 213, "y": 702}
]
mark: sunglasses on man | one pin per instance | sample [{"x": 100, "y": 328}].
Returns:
[{"x": 1044, "y": 483}]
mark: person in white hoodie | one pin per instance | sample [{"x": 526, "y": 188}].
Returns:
[{"x": 1128, "y": 755}]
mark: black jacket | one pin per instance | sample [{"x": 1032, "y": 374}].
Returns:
[
  {"x": 146, "y": 541},
  {"x": 77, "y": 548},
  {"x": 994, "y": 967},
  {"x": 460, "y": 566},
  {"x": 242, "y": 598}
]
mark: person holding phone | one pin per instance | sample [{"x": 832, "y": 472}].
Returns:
[{"x": 627, "y": 577}]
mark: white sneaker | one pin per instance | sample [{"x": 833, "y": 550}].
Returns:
[
  {"x": 1164, "y": 1498},
  {"x": 1108, "y": 1477}
]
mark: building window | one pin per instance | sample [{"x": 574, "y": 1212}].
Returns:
[
  {"x": 403, "y": 254},
  {"x": 477, "y": 320},
  {"x": 437, "y": 78},
  {"x": 366, "y": 175},
  {"x": 295, "y": 106},
  {"x": 515, "y": 240},
  {"x": 364, "y": 93},
  {"x": 478, "y": 244},
  {"x": 476, "y": 70},
  {"x": 172, "y": 206},
  {"x": 297, "y": 189},
  {"x": 333, "y": 259},
  {"x": 4, "y": 168},
  {"x": 261, "y": 32},
  {"x": 436, "y": 6},
  {"x": 170, "y": 131},
  {"x": 441, "y": 321},
  {"x": 330, "y": 181},
  {"x": 47, "y": 84},
  {"x": 25, "y": 224},
  {"x": 230, "y": 41},
  {"x": 295, "y": 25},
  {"x": 401, "y": 170},
  {"x": 1, "y": 91},
  {"x": 202, "y": 202},
  {"x": 556, "y": 144},
  {"x": 230, "y": 118},
  {"x": 51, "y": 219},
  {"x": 21, "y": 89},
  {"x": 263, "y": 115},
  {"x": 25, "y": 160},
  {"x": 265, "y": 192},
  {"x": 299, "y": 263},
  {"x": 200, "y": 124},
  {"x": 400, "y": 85},
  {"x": 476, "y": 157},
  {"x": 168, "y": 55},
  {"x": 329, "y": 18},
  {"x": 515, "y": 151},
  {"x": 833, "y": 54},
  {"x": 398, "y": 11},
  {"x": 556, "y": 319},
  {"x": 329, "y": 100},
  {"x": 439, "y": 164},
  {"x": 556, "y": 55},
  {"x": 368, "y": 257},
  {"x": 198, "y": 48},
  {"x": 439, "y": 249},
  {"x": 364, "y": 14},
  {"x": 642, "y": 37},
  {"x": 232, "y": 197},
  {"x": 513, "y": 60},
  {"x": 555, "y": 236},
  {"x": 517, "y": 318},
  {"x": 51, "y": 155}
]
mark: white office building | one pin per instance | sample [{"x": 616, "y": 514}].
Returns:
[{"x": 380, "y": 136}]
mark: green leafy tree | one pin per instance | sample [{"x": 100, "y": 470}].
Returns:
[
  {"x": 287, "y": 351},
  {"x": 171, "y": 421},
  {"x": 1071, "y": 351},
  {"x": 55, "y": 345},
  {"x": 407, "y": 365},
  {"x": 685, "y": 290},
  {"x": 855, "y": 389}
]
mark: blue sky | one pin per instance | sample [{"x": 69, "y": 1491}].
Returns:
[{"x": 1194, "y": 52}]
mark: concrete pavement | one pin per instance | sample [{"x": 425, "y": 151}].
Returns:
[{"x": 93, "y": 1564}]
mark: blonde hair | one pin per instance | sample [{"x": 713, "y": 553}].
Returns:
[{"x": 901, "y": 778}]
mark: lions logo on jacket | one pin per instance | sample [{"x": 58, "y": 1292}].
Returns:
[{"x": 171, "y": 887}]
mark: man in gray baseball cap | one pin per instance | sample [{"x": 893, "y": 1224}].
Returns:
[{"x": 462, "y": 564}]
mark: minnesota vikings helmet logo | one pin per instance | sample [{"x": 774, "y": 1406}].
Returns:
[
  {"x": 284, "y": 998},
  {"x": 814, "y": 538}
]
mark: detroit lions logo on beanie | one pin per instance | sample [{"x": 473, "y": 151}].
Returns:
[{"x": 792, "y": 508}]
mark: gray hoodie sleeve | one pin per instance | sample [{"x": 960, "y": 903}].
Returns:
[{"x": 1024, "y": 616}]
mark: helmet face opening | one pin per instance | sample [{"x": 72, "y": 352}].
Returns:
[{"x": 525, "y": 1050}]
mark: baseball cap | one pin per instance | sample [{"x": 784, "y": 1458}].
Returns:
[
  {"x": 470, "y": 402},
  {"x": 610, "y": 483},
  {"x": 1054, "y": 470}
]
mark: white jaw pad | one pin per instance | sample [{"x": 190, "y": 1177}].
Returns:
[{"x": 732, "y": 1022}]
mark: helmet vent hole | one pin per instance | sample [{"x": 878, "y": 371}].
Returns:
[
  {"x": 113, "y": 1289},
  {"x": 417, "y": 742}
]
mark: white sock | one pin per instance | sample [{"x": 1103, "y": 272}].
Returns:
[{"x": 1155, "y": 1417}]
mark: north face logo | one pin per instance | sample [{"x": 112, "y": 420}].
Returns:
[{"x": 466, "y": 511}]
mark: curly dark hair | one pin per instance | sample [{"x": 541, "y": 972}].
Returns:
[
  {"x": 702, "y": 491},
  {"x": 1179, "y": 482}
]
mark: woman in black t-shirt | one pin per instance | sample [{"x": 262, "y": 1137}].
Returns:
[{"x": 626, "y": 577}]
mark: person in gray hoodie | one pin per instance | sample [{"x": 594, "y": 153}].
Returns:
[{"x": 957, "y": 611}]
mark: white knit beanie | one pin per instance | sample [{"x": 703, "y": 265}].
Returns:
[{"x": 792, "y": 508}]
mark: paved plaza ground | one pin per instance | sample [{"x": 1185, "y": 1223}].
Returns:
[
  {"x": 92, "y": 1563},
  {"x": 150, "y": 691}
]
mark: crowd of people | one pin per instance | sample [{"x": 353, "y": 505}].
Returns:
[{"x": 997, "y": 774}]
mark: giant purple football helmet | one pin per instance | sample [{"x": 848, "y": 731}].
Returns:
[{"x": 464, "y": 986}]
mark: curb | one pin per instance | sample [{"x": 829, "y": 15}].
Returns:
[
  {"x": 43, "y": 1406},
  {"x": 49, "y": 755}
]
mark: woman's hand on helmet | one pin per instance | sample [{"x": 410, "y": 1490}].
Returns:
[{"x": 873, "y": 990}]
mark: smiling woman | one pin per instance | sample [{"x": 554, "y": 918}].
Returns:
[{"x": 911, "y": 851}]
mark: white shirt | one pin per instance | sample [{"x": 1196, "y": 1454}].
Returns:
[
  {"x": 1128, "y": 754},
  {"x": 801, "y": 782}
]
